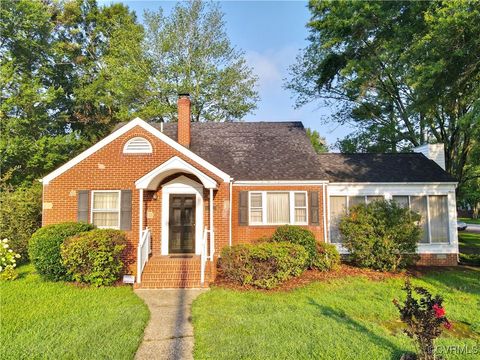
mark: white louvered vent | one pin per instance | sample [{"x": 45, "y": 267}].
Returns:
[{"x": 137, "y": 145}]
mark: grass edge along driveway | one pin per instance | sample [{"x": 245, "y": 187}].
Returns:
[
  {"x": 47, "y": 320},
  {"x": 347, "y": 318}
]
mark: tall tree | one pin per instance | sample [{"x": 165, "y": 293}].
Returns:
[
  {"x": 70, "y": 71},
  {"x": 404, "y": 73},
  {"x": 319, "y": 143},
  {"x": 191, "y": 53}
]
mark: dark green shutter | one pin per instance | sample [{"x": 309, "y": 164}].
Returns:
[
  {"x": 243, "y": 208},
  {"x": 83, "y": 197},
  {"x": 126, "y": 210},
  {"x": 314, "y": 213}
]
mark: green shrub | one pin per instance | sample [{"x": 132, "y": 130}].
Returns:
[
  {"x": 300, "y": 236},
  {"x": 381, "y": 235},
  {"x": 20, "y": 216},
  {"x": 95, "y": 257},
  {"x": 44, "y": 248},
  {"x": 327, "y": 257},
  {"x": 263, "y": 265}
]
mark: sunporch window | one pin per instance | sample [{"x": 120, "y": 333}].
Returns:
[
  {"x": 106, "y": 209},
  {"x": 433, "y": 210}
]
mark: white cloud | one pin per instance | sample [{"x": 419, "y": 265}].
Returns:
[{"x": 271, "y": 66}]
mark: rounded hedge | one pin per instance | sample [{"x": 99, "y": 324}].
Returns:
[
  {"x": 95, "y": 257},
  {"x": 381, "y": 235},
  {"x": 297, "y": 235},
  {"x": 327, "y": 257},
  {"x": 263, "y": 265},
  {"x": 44, "y": 248}
]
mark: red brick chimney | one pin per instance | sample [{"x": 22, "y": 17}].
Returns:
[{"x": 184, "y": 119}]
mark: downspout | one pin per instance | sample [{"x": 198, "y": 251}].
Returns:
[
  {"x": 324, "y": 212},
  {"x": 230, "y": 215}
]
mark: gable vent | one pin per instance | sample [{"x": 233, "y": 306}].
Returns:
[{"x": 137, "y": 145}]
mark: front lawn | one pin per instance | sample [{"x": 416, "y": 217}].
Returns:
[
  {"x": 470, "y": 220},
  {"x": 346, "y": 318},
  {"x": 469, "y": 246},
  {"x": 62, "y": 321}
]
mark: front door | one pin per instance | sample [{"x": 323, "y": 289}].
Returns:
[{"x": 182, "y": 224}]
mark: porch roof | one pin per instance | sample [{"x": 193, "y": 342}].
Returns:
[{"x": 152, "y": 180}]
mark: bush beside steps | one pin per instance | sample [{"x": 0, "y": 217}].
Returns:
[
  {"x": 264, "y": 265},
  {"x": 95, "y": 257},
  {"x": 73, "y": 251},
  {"x": 44, "y": 249}
]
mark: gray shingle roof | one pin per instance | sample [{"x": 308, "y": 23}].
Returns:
[
  {"x": 282, "y": 151},
  {"x": 255, "y": 150},
  {"x": 403, "y": 167}
]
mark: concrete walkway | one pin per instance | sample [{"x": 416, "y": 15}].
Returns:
[{"x": 169, "y": 334}]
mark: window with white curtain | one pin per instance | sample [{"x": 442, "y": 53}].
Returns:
[
  {"x": 433, "y": 210},
  {"x": 278, "y": 207},
  {"x": 402, "y": 201},
  {"x": 106, "y": 209},
  {"x": 438, "y": 206},
  {"x": 338, "y": 209}
]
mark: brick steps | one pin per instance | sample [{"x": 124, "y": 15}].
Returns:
[{"x": 170, "y": 272}]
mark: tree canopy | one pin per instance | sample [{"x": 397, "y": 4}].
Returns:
[
  {"x": 404, "y": 73},
  {"x": 71, "y": 70},
  {"x": 191, "y": 53}
]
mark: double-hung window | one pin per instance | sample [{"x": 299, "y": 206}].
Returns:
[
  {"x": 106, "y": 208},
  {"x": 278, "y": 207}
]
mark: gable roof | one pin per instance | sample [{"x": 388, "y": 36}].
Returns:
[
  {"x": 119, "y": 131},
  {"x": 382, "y": 168},
  {"x": 255, "y": 151}
]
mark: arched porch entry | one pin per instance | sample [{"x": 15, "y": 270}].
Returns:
[{"x": 183, "y": 228}]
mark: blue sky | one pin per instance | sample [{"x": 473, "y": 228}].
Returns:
[{"x": 271, "y": 33}]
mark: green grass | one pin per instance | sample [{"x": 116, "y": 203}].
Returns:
[
  {"x": 349, "y": 318},
  {"x": 46, "y": 320},
  {"x": 469, "y": 246},
  {"x": 469, "y": 220}
]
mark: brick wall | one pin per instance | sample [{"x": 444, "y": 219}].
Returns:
[
  {"x": 245, "y": 234},
  {"x": 110, "y": 169},
  {"x": 438, "y": 260}
]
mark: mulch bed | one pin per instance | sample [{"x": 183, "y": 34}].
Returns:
[{"x": 310, "y": 276}]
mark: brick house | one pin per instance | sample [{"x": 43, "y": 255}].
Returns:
[{"x": 183, "y": 191}]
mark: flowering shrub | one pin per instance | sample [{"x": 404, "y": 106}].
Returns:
[
  {"x": 8, "y": 261},
  {"x": 424, "y": 319}
]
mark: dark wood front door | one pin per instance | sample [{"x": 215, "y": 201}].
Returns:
[{"x": 182, "y": 224}]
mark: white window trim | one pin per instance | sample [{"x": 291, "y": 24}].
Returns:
[
  {"x": 92, "y": 210},
  {"x": 262, "y": 208},
  {"x": 429, "y": 227},
  {"x": 291, "y": 202},
  {"x": 126, "y": 150},
  {"x": 293, "y": 207}
]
